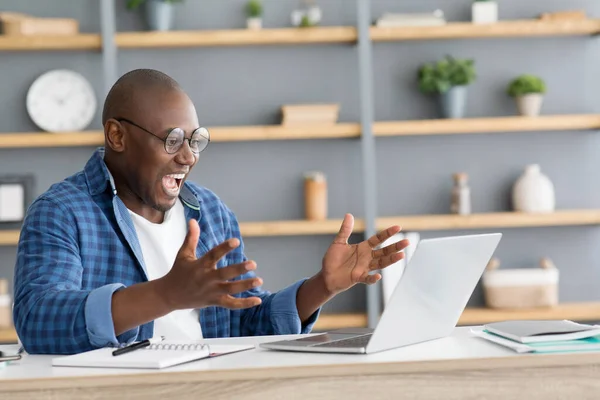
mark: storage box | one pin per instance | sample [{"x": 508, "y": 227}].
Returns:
[
  {"x": 18, "y": 24},
  {"x": 573, "y": 15},
  {"x": 521, "y": 288},
  {"x": 302, "y": 114}
]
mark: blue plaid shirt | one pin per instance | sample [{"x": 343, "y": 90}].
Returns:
[{"x": 78, "y": 246}]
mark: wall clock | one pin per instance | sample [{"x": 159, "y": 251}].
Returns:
[{"x": 61, "y": 100}]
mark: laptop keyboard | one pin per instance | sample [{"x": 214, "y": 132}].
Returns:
[{"x": 357, "y": 341}]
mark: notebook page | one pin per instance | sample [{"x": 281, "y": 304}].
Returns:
[{"x": 141, "y": 358}]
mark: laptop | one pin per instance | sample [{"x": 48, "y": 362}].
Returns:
[{"x": 426, "y": 304}]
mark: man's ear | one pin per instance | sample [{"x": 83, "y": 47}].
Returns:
[{"x": 115, "y": 135}]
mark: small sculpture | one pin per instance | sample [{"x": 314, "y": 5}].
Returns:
[
  {"x": 461, "y": 195},
  {"x": 315, "y": 196},
  {"x": 533, "y": 192},
  {"x": 308, "y": 15}
]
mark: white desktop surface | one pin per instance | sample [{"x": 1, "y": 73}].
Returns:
[
  {"x": 454, "y": 368},
  {"x": 461, "y": 345}
]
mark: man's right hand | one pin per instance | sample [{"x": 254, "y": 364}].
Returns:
[{"x": 197, "y": 282}]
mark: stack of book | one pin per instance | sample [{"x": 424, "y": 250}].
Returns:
[
  {"x": 391, "y": 20},
  {"x": 542, "y": 336}
]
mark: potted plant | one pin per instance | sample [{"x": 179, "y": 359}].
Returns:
[
  {"x": 449, "y": 79},
  {"x": 528, "y": 90},
  {"x": 159, "y": 13},
  {"x": 484, "y": 11},
  {"x": 254, "y": 10}
]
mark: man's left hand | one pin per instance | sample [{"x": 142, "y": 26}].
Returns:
[{"x": 345, "y": 265}]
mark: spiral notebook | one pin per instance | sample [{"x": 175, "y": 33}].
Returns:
[{"x": 156, "y": 356}]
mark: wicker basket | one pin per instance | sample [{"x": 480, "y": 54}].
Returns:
[
  {"x": 17, "y": 24},
  {"x": 521, "y": 288}
]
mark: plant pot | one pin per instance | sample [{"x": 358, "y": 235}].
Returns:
[
  {"x": 533, "y": 192},
  {"x": 254, "y": 23},
  {"x": 530, "y": 105},
  {"x": 453, "y": 102},
  {"x": 484, "y": 12},
  {"x": 159, "y": 15}
]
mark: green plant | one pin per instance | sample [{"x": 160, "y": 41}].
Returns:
[
  {"x": 133, "y": 4},
  {"x": 305, "y": 22},
  {"x": 254, "y": 8},
  {"x": 441, "y": 76},
  {"x": 526, "y": 84}
]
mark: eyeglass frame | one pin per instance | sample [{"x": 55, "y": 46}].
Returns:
[{"x": 164, "y": 140}]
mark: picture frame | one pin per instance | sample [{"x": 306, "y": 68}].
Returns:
[{"x": 16, "y": 194}]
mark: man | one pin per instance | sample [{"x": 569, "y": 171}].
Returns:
[{"x": 127, "y": 249}]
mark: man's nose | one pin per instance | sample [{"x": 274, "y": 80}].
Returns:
[{"x": 185, "y": 155}]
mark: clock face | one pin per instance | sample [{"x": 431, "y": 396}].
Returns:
[{"x": 61, "y": 101}]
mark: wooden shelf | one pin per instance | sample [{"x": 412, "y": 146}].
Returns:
[
  {"x": 8, "y": 335},
  {"x": 237, "y": 37},
  {"x": 9, "y": 238},
  {"x": 408, "y": 223},
  {"x": 476, "y": 316},
  {"x": 218, "y": 134},
  {"x": 287, "y": 36},
  {"x": 486, "y": 125},
  {"x": 337, "y": 131},
  {"x": 67, "y": 139},
  {"x": 574, "y": 311},
  {"x": 84, "y": 41},
  {"x": 279, "y": 132},
  {"x": 293, "y": 228},
  {"x": 502, "y": 29},
  {"x": 492, "y": 220},
  {"x": 582, "y": 312}
]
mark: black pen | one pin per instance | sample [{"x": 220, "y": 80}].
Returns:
[{"x": 137, "y": 345}]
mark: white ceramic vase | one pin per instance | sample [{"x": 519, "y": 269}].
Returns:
[
  {"x": 530, "y": 105},
  {"x": 254, "y": 23},
  {"x": 159, "y": 15},
  {"x": 484, "y": 12},
  {"x": 533, "y": 192}
]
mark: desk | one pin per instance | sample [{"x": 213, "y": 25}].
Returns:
[{"x": 457, "y": 367}]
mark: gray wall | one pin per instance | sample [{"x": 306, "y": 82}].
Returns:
[{"x": 247, "y": 85}]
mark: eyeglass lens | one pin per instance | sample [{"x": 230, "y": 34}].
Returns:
[{"x": 198, "y": 141}]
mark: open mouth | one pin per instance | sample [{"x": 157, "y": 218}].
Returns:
[{"x": 172, "y": 183}]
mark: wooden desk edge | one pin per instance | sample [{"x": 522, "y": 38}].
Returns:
[{"x": 306, "y": 371}]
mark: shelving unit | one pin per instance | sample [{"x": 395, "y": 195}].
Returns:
[
  {"x": 501, "y": 29},
  {"x": 365, "y": 36},
  {"x": 84, "y": 41},
  {"x": 583, "y": 312}
]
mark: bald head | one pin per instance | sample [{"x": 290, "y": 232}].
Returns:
[{"x": 131, "y": 87}]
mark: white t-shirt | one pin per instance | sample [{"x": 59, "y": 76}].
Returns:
[{"x": 160, "y": 244}]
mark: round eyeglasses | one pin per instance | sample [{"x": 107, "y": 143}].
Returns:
[{"x": 198, "y": 141}]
